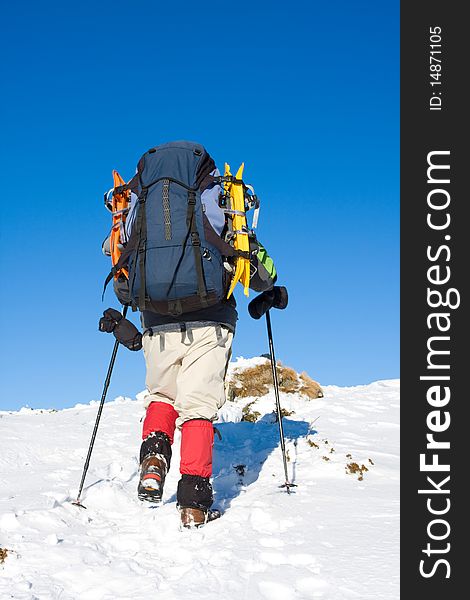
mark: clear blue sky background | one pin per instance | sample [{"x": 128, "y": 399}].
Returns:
[{"x": 306, "y": 93}]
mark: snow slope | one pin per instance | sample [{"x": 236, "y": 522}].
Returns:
[{"x": 335, "y": 538}]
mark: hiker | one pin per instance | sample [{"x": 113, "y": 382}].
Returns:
[{"x": 178, "y": 266}]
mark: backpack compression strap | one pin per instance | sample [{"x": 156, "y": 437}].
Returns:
[
  {"x": 141, "y": 227},
  {"x": 196, "y": 243}
]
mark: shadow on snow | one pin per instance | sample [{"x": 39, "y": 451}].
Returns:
[{"x": 244, "y": 448}]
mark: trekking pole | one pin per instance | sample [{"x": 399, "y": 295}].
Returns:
[
  {"x": 98, "y": 416},
  {"x": 287, "y": 485},
  {"x": 277, "y": 297}
]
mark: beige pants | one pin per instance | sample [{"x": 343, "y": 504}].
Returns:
[{"x": 187, "y": 369}]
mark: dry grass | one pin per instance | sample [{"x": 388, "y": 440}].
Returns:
[
  {"x": 309, "y": 387},
  {"x": 354, "y": 469},
  {"x": 257, "y": 381},
  {"x": 351, "y": 468},
  {"x": 252, "y": 382},
  {"x": 3, "y": 555},
  {"x": 287, "y": 413},
  {"x": 250, "y": 415}
]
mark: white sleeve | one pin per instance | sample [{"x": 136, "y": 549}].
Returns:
[{"x": 210, "y": 205}]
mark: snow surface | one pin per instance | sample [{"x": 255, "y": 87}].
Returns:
[{"x": 336, "y": 538}]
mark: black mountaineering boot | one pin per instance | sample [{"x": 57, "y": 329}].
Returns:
[{"x": 155, "y": 457}]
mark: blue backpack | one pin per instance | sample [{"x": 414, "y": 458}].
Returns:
[{"x": 173, "y": 256}]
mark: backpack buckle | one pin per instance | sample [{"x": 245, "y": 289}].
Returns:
[
  {"x": 223, "y": 198},
  {"x": 175, "y": 308},
  {"x": 191, "y": 197},
  {"x": 195, "y": 241}
]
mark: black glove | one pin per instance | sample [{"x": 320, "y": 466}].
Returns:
[
  {"x": 275, "y": 298},
  {"x": 123, "y": 330},
  {"x": 109, "y": 320}
]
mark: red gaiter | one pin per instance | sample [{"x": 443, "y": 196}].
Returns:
[
  {"x": 160, "y": 417},
  {"x": 197, "y": 440}
]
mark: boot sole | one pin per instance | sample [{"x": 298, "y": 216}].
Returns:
[
  {"x": 149, "y": 497},
  {"x": 149, "y": 494}
]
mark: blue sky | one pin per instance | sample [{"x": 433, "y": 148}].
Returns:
[{"x": 306, "y": 93}]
